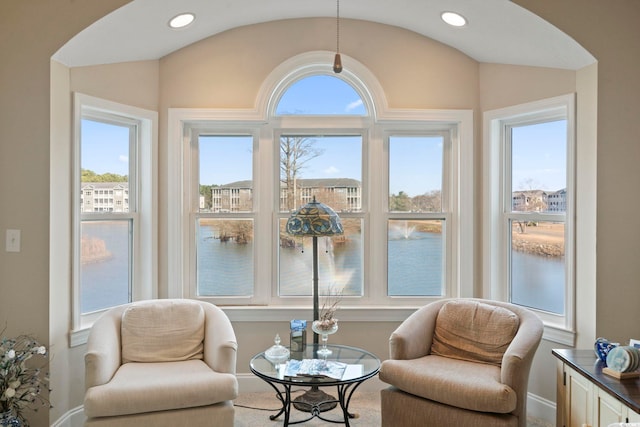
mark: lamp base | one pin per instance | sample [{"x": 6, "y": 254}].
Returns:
[{"x": 314, "y": 400}]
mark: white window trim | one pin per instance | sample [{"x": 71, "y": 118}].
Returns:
[
  {"x": 145, "y": 250},
  {"x": 558, "y": 328},
  {"x": 192, "y": 180},
  {"x": 327, "y": 126},
  {"x": 371, "y": 91}
]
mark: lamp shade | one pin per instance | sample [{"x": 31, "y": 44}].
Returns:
[{"x": 314, "y": 219}]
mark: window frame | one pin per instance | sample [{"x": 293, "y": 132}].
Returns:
[
  {"x": 498, "y": 211},
  {"x": 449, "y": 198},
  {"x": 266, "y": 125},
  {"x": 323, "y": 126},
  {"x": 193, "y": 131},
  {"x": 142, "y": 202}
]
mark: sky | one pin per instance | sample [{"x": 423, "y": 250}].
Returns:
[
  {"x": 105, "y": 148},
  {"x": 538, "y": 155}
]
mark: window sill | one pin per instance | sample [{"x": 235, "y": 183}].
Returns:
[
  {"x": 286, "y": 313},
  {"x": 348, "y": 314},
  {"x": 559, "y": 335},
  {"x": 79, "y": 336}
]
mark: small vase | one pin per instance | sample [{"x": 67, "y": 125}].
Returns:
[
  {"x": 602, "y": 347},
  {"x": 318, "y": 328},
  {"x": 9, "y": 419}
]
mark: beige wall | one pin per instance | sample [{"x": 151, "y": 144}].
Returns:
[
  {"x": 130, "y": 83},
  {"x": 30, "y": 32},
  {"x": 611, "y": 33},
  {"x": 505, "y": 85}
]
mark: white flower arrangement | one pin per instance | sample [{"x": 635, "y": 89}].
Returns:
[{"x": 22, "y": 380}]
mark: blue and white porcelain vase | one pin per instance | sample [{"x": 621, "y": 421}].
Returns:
[
  {"x": 602, "y": 347},
  {"x": 9, "y": 419}
]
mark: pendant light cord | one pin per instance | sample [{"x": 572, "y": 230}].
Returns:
[
  {"x": 337, "y": 61},
  {"x": 337, "y": 26}
]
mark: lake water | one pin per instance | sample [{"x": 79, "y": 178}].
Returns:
[
  {"x": 539, "y": 281},
  {"x": 416, "y": 269},
  {"x": 106, "y": 283}
]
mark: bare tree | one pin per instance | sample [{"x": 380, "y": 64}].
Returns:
[
  {"x": 295, "y": 153},
  {"x": 428, "y": 202},
  {"x": 531, "y": 199}
]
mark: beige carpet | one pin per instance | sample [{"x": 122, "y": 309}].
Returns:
[{"x": 254, "y": 409}]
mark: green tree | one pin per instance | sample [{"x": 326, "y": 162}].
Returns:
[
  {"x": 400, "y": 202},
  {"x": 87, "y": 175},
  {"x": 205, "y": 190}
]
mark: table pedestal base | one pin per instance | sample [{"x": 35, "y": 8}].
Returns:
[
  {"x": 315, "y": 399},
  {"x": 315, "y": 410}
]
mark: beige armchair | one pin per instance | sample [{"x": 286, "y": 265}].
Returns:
[
  {"x": 460, "y": 362},
  {"x": 161, "y": 363}
]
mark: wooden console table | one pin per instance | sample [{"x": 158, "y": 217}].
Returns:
[{"x": 588, "y": 397}]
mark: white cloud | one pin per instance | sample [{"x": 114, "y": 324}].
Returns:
[
  {"x": 354, "y": 105},
  {"x": 331, "y": 170},
  {"x": 124, "y": 159}
]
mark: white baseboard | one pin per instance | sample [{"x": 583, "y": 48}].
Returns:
[
  {"x": 542, "y": 408},
  {"x": 72, "y": 418},
  {"x": 248, "y": 383}
]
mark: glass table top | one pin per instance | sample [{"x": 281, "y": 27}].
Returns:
[{"x": 361, "y": 365}]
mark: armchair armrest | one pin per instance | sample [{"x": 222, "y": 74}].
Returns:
[
  {"x": 103, "y": 357},
  {"x": 519, "y": 355},
  {"x": 517, "y": 360},
  {"x": 413, "y": 338},
  {"x": 220, "y": 345}
]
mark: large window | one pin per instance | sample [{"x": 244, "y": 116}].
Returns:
[
  {"x": 533, "y": 220},
  {"x": 107, "y": 211},
  {"x": 113, "y": 256},
  {"x": 535, "y": 217},
  {"x": 397, "y": 185},
  {"x": 417, "y": 222},
  {"x": 329, "y": 169},
  {"x": 224, "y": 224}
]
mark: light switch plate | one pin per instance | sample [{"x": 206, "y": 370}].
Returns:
[{"x": 13, "y": 241}]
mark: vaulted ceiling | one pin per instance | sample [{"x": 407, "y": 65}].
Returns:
[{"x": 497, "y": 31}]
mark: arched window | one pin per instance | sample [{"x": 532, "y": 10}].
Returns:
[
  {"x": 316, "y": 134},
  {"x": 321, "y": 95}
]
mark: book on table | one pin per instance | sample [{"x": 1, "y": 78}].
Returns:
[{"x": 315, "y": 368}]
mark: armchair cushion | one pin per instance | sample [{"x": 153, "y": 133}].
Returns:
[
  {"x": 162, "y": 331},
  {"x": 458, "y": 383},
  {"x": 474, "y": 331},
  {"x": 147, "y": 387}
]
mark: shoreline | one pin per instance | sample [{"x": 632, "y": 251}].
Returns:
[{"x": 543, "y": 239}]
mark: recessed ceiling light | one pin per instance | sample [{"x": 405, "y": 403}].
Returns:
[
  {"x": 454, "y": 19},
  {"x": 182, "y": 20}
]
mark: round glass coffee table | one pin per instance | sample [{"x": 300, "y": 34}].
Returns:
[{"x": 352, "y": 366}]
